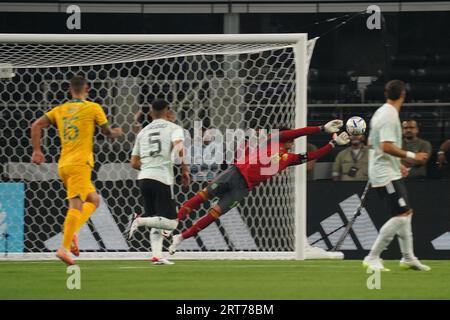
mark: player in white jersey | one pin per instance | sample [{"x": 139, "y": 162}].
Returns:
[
  {"x": 385, "y": 176},
  {"x": 153, "y": 152}
]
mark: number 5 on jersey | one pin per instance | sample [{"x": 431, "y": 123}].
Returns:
[{"x": 155, "y": 144}]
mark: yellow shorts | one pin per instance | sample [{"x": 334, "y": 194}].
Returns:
[{"x": 77, "y": 180}]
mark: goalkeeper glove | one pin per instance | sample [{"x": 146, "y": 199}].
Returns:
[
  {"x": 333, "y": 126},
  {"x": 341, "y": 139}
]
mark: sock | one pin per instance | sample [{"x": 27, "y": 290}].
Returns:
[
  {"x": 156, "y": 241},
  {"x": 70, "y": 227},
  {"x": 88, "y": 209},
  {"x": 158, "y": 222},
  {"x": 201, "y": 224},
  {"x": 192, "y": 204},
  {"x": 405, "y": 239},
  {"x": 387, "y": 233}
]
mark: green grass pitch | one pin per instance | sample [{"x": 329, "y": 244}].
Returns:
[{"x": 222, "y": 280}]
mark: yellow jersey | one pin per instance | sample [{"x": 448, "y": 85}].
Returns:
[{"x": 76, "y": 120}]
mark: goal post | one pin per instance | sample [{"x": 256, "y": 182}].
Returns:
[{"x": 226, "y": 81}]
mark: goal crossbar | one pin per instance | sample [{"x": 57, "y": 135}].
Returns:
[{"x": 154, "y": 38}]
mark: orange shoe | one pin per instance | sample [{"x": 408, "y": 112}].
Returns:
[
  {"x": 64, "y": 257},
  {"x": 74, "y": 247}
]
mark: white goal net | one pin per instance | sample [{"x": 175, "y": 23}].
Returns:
[{"x": 224, "y": 81}]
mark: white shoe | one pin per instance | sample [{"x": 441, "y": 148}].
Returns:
[
  {"x": 176, "y": 241},
  {"x": 160, "y": 261},
  {"x": 133, "y": 225},
  {"x": 319, "y": 253},
  {"x": 413, "y": 264},
  {"x": 375, "y": 264}
]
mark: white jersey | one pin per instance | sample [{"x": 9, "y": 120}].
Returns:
[
  {"x": 384, "y": 126},
  {"x": 154, "y": 148}
]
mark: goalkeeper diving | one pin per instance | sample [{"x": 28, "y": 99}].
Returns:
[{"x": 235, "y": 183}]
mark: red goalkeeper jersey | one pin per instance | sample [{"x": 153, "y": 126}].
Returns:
[{"x": 276, "y": 157}]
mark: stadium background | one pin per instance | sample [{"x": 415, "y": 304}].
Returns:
[{"x": 338, "y": 87}]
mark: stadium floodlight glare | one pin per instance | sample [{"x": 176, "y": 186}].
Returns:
[{"x": 233, "y": 81}]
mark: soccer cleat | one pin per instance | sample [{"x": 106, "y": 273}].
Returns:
[
  {"x": 63, "y": 255},
  {"x": 74, "y": 247},
  {"x": 176, "y": 241},
  {"x": 413, "y": 264},
  {"x": 133, "y": 225},
  {"x": 375, "y": 264},
  {"x": 160, "y": 261}
]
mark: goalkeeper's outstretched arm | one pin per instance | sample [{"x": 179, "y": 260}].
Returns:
[
  {"x": 330, "y": 127},
  {"x": 340, "y": 140}
]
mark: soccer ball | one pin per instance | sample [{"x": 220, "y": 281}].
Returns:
[{"x": 356, "y": 126}]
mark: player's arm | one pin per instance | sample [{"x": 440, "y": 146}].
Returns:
[
  {"x": 135, "y": 162},
  {"x": 390, "y": 148},
  {"x": 178, "y": 146},
  {"x": 36, "y": 133},
  {"x": 427, "y": 149},
  {"x": 111, "y": 132},
  {"x": 102, "y": 121},
  {"x": 330, "y": 127},
  {"x": 340, "y": 140}
]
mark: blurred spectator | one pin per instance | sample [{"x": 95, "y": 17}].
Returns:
[
  {"x": 442, "y": 161},
  {"x": 310, "y": 164},
  {"x": 351, "y": 164},
  {"x": 411, "y": 142}
]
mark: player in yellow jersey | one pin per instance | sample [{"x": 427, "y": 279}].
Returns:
[{"x": 76, "y": 120}]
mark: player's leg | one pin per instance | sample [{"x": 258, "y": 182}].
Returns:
[
  {"x": 214, "y": 189},
  {"x": 156, "y": 242},
  {"x": 89, "y": 206},
  {"x": 236, "y": 191},
  {"x": 70, "y": 227},
  {"x": 395, "y": 195},
  {"x": 405, "y": 236},
  {"x": 389, "y": 229},
  {"x": 166, "y": 214},
  {"x": 159, "y": 215},
  {"x": 91, "y": 201},
  {"x": 73, "y": 215},
  {"x": 212, "y": 215},
  {"x": 77, "y": 180},
  {"x": 159, "y": 207},
  {"x": 193, "y": 203}
]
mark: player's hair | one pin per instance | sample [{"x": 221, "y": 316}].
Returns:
[
  {"x": 393, "y": 89},
  {"x": 160, "y": 105},
  {"x": 77, "y": 84}
]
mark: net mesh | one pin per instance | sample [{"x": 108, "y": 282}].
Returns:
[{"x": 224, "y": 86}]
